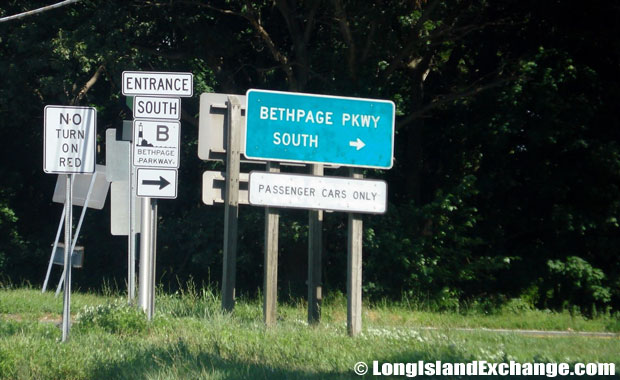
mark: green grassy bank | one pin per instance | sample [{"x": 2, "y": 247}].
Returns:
[{"x": 191, "y": 339}]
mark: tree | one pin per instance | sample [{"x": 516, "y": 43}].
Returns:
[{"x": 506, "y": 163}]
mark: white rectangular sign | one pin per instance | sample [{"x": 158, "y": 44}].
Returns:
[
  {"x": 156, "y": 143},
  {"x": 313, "y": 192},
  {"x": 69, "y": 139},
  {"x": 157, "y": 83},
  {"x": 157, "y": 183},
  {"x": 156, "y": 107}
]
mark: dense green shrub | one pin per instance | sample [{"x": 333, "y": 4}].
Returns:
[{"x": 575, "y": 282}]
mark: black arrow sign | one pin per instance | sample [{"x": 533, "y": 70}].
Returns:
[{"x": 161, "y": 182}]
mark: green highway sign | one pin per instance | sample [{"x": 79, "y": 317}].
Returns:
[{"x": 308, "y": 128}]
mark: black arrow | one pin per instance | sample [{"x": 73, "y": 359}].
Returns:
[{"x": 161, "y": 182}]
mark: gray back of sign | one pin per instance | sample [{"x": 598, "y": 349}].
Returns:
[
  {"x": 212, "y": 136},
  {"x": 117, "y": 157},
  {"x": 80, "y": 189},
  {"x": 119, "y": 210}
]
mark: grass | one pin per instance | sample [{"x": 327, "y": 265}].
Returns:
[
  {"x": 31, "y": 304},
  {"x": 191, "y": 338},
  {"x": 525, "y": 320}
]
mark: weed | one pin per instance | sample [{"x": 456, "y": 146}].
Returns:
[{"x": 115, "y": 318}]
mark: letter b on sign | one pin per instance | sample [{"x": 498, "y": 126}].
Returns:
[{"x": 162, "y": 133}]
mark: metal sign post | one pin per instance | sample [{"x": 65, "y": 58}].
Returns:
[
  {"x": 148, "y": 245},
  {"x": 66, "y": 303},
  {"x": 131, "y": 238},
  {"x": 79, "y": 226},
  {"x": 151, "y": 306},
  {"x": 144, "y": 298},
  {"x": 68, "y": 147}
]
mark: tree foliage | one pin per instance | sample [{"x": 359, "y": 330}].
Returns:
[{"x": 507, "y": 162}]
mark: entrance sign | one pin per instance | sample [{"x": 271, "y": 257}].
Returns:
[
  {"x": 157, "y": 83},
  {"x": 69, "y": 139},
  {"x": 157, "y": 183},
  {"x": 314, "y": 192},
  {"x": 156, "y": 107},
  {"x": 286, "y": 126},
  {"x": 156, "y": 143}
]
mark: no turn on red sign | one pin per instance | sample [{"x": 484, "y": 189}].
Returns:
[{"x": 69, "y": 139}]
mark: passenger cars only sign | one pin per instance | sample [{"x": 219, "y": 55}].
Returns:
[{"x": 69, "y": 139}]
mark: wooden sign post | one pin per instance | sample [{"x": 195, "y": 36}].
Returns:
[
  {"x": 315, "y": 250},
  {"x": 270, "y": 276},
  {"x": 231, "y": 203},
  {"x": 354, "y": 268}
]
